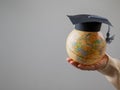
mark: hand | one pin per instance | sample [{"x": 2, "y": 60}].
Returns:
[{"x": 96, "y": 66}]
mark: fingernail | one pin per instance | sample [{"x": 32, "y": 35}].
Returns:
[{"x": 79, "y": 66}]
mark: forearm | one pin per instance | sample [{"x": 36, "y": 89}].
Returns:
[{"x": 112, "y": 72}]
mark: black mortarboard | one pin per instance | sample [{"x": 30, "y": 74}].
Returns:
[{"x": 90, "y": 23}]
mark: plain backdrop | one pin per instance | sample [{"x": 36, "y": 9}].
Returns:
[{"x": 33, "y": 39}]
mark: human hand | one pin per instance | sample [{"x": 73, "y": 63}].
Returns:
[{"x": 101, "y": 64}]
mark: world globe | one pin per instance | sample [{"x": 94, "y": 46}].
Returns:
[{"x": 85, "y": 47}]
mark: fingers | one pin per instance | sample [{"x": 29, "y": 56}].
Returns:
[
  {"x": 95, "y": 66},
  {"x": 74, "y": 63},
  {"x": 81, "y": 66},
  {"x": 69, "y": 59},
  {"x": 86, "y": 67},
  {"x": 77, "y": 65}
]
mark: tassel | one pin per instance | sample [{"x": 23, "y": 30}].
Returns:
[{"x": 108, "y": 38}]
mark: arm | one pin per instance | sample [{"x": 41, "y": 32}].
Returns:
[
  {"x": 112, "y": 71},
  {"x": 108, "y": 66}
]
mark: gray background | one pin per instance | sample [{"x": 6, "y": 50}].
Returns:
[{"x": 32, "y": 44}]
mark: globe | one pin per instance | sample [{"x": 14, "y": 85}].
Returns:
[{"x": 85, "y": 47}]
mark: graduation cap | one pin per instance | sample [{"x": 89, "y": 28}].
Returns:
[{"x": 90, "y": 23}]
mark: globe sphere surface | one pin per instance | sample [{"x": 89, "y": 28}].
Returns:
[{"x": 85, "y": 47}]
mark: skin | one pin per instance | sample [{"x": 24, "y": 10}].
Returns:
[
  {"x": 108, "y": 66},
  {"x": 97, "y": 66}
]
